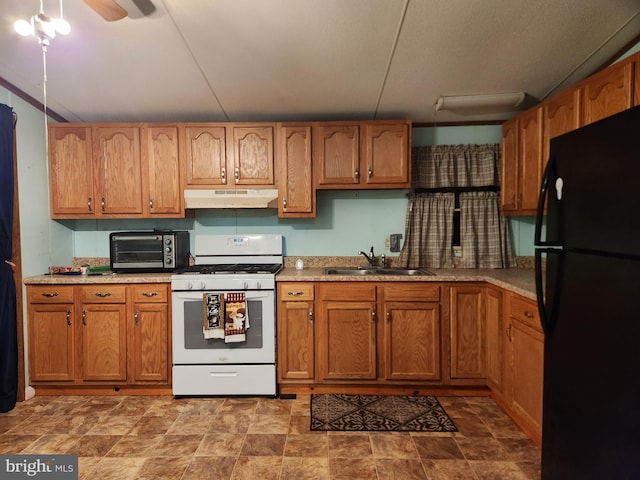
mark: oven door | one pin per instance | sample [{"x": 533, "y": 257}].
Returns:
[{"x": 191, "y": 348}]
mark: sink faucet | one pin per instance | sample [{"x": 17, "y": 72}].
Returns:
[{"x": 370, "y": 257}]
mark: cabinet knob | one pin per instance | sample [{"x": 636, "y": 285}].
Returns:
[
  {"x": 389, "y": 317},
  {"x": 84, "y": 317},
  {"x": 89, "y": 204},
  {"x": 69, "y": 318},
  {"x": 135, "y": 317},
  {"x": 223, "y": 175},
  {"x": 237, "y": 174},
  {"x": 311, "y": 315},
  {"x": 294, "y": 294},
  {"x": 103, "y": 294},
  {"x": 529, "y": 315},
  {"x": 356, "y": 176},
  {"x": 149, "y": 294},
  {"x": 50, "y": 295},
  {"x": 103, "y": 204},
  {"x": 284, "y": 203},
  {"x": 370, "y": 172},
  {"x": 373, "y": 315},
  {"x": 151, "y": 203}
]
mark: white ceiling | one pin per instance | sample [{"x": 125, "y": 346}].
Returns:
[{"x": 259, "y": 60}]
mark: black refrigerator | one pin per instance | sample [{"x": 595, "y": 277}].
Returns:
[{"x": 588, "y": 287}]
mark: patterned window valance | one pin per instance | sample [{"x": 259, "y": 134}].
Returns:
[{"x": 443, "y": 166}]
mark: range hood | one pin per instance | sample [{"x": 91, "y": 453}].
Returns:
[{"x": 233, "y": 198}]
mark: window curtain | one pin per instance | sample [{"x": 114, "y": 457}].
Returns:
[
  {"x": 8, "y": 332},
  {"x": 428, "y": 231},
  {"x": 484, "y": 235},
  {"x": 483, "y": 232}
]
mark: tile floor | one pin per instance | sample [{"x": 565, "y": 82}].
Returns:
[{"x": 156, "y": 438}]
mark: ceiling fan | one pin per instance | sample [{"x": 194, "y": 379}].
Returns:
[{"x": 112, "y": 11}]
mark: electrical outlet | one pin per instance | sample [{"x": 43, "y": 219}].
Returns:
[{"x": 387, "y": 243}]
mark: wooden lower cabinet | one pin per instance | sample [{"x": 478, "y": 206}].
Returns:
[
  {"x": 367, "y": 335},
  {"x": 524, "y": 361},
  {"x": 51, "y": 333},
  {"x": 468, "y": 332},
  {"x": 347, "y": 332},
  {"x": 411, "y": 331},
  {"x": 149, "y": 323},
  {"x": 102, "y": 335},
  {"x": 296, "y": 332},
  {"x": 494, "y": 327}
]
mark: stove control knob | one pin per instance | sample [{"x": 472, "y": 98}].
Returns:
[
  {"x": 258, "y": 285},
  {"x": 245, "y": 285},
  {"x": 189, "y": 286},
  {"x": 203, "y": 285}
]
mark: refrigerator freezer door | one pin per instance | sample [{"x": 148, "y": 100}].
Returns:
[
  {"x": 591, "y": 415},
  {"x": 593, "y": 186}
]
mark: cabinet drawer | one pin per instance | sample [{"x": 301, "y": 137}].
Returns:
[
  {"x": 150, "y": 293},
  {"x": 525, "y": 311},
  {"x": 296, "y": 291},
  {"x": 411, "y": 292},
  {"x": 349, "y": 291},
  {"x": 103, "y": 293},
  {"x": 50, "y": 294}
]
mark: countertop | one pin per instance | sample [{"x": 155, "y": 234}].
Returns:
[{"x": 518, "y": 280}]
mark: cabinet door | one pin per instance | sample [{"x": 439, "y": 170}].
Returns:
[
  {"x": 509, "y": 187},
  {"x": 607, "y": 92},
  {"x": 296, "y": 195},
  {"x": 467, "y": 332},
  {"x": 560, "y": 114},
  {"x": 118, "y": 162},
  {"x": 71, "y": 171},
  {"x": 51, "y": 342},
  {"x": 205, "y": 155},
  {"x": 387, "y": 156},
  {"x": 163, "y": 170},
  {"x": 529, "y": 160},
  {"x": 412, "y": 340},
  {"x": 348, "y": 341},
  {"x": 103, "y": 340},
  {"x": 149, "y": 353},
  {"x": 337, "y": 155},
  {"x": 296, "y": 340},
  {"x": 252, "y": 153},
  {"x": 525, "y": 354},
  {"x": 494, "y": 321}
]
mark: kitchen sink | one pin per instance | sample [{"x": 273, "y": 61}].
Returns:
[{"x": 363, "y": 271}]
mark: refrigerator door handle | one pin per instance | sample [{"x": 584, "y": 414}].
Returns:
[
  {"x": 542, "y": 309},
  {"x": 544, "y": 188}
]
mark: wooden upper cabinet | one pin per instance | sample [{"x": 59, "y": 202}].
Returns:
[
  {"x": 560, "y": 114},
  {"x": 386, "y": 153},
  {"x": 337, "y": 155},
  {"x": 354, "y": 155},
  {"x": 205, "y": 155},
  {"x": 164, "y": 196},
  {"x": 608, "y": 91},
  {"x": 118, "y": 163},
  {"x": 251, "y": 150},
  {"x": 530, "y": 159},
  {"x": 71, "y": 171},
  {"x": 509, "y": 187},
  {"x": 295, "y": 182}
]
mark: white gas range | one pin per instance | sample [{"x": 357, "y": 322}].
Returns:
[{"x": 213, "y": 353}]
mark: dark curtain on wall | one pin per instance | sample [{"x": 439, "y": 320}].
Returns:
[{"x": 8, "y": 333}]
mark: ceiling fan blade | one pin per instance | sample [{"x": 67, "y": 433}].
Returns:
[{"x": 107, "y": 9}]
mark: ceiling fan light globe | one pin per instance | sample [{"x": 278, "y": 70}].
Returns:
[
  {"x": 61, "y": 26},
  {"x": 24, "y": 28}
]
